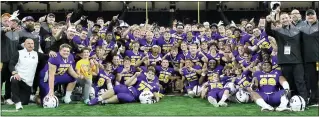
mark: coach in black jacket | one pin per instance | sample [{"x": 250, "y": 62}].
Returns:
[
  {"x": 310, "y": 39},
  {"x": 288, "y": 39}
]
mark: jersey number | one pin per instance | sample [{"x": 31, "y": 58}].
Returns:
[
  {"x": 164, "y": 78},
  {"x": 62, "y": 70},
  {"x": 216, "y": 85},
  {"x": 101, "y": 82},
  {"x": 269, "y": 81},
  {"x": 143, "y": 87}
]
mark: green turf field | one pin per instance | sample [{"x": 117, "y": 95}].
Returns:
[{"x": 177, "y": 105}]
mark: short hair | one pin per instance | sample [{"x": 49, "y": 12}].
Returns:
[
  {"x": 99, "y": 47},
  {"x": 85, "y": 48},
  {"x": 99, "y": 18},
  {"x": 134, "y": 42},
  {"x": 151, "y": 68},
  {"x": 283, "y": 13},
  {"x": 127, "y": 58},
  {"x": 65, "y": 46}
]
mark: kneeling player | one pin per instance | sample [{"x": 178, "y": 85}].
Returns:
[
  {"x": 190, "y": 73},
  {"x": 129, "y": 92},
  {"x": 216, "y": 91},
  {"x": 59, "y": 70},
  {"x": 269, "y": 83}
]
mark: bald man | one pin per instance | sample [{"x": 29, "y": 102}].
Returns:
[
  {"x": 296, "y": 17},
  {"x": 23, "y": 66}
]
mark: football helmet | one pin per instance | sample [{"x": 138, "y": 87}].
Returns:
[
  {"x": 147, "y": 97},
  {"x": 50, "y": 102},
  {"x": 231, "y": 86},
  {"x": 242, "y": 96},
  {"x": 197, "y": 90},
  {"x": 297, "y": 103}
]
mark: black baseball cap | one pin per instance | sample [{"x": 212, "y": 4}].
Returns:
[
  {"x": 51, "y": 15},
  {"x": 97, "y": 25},
  {"x": 214, "y": 25},
  {"x": 310, "y": 12}
]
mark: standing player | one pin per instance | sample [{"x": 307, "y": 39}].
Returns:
[
  {"x": 59, "y": 70},
  {"x": 272, "y": 89}
]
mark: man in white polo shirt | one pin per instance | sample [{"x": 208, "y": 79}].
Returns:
[{"x": 23, "y": 66}]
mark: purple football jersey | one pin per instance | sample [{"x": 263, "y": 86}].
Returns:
[
  {"x": 216, "y": 36},
  {"x": 165, "y": 45},
  {"x": 78, "y": 41},
  {"x": 274, "y": 62},
  {"x": 62, "y": 65},
  {"x": 242, "y": 81},
  {"x": 142, "y": 84},
  {"x": 195, "y": 59},
  {"x": 126, "y": 75},
  {"x": 110, "y": 46},
  {"x": 102, "y": 76},
  {"x": 134, "y": 57},
  {"x": 175, "y": 61},
  {"x": 179, "y": 37},
  {"x": 191, "y": 77},
  {"x": 215, "y": 86},
  {"x": 268, "y": 82},
  {"x": 148, "y": 45},
  {"x": 262, "y": 42},
  {"x": 153, "y": 58},
  {"x": 164, "y": 74}
]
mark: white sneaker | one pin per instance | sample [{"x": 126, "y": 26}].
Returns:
[
  {"x": 67, "y": 100},
  {"x": 268, "y": 108},
  {"x": 32, "y": 98},
  {"x": 86, "y": 101},
  {"x": 191, "y": 94},
  {"x": 212, "y": 101},
  {"x": 18, "y": 106},
  {"x": 9, "y": 102},
  {"x": 314, "y": 105},
  {"x": 280, "y": 109},
  {"x": 222, "y": 104}
]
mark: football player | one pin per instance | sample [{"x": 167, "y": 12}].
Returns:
[
  {"x": 272, "y": 89},
  {"x": 132, "y": 89},
  {"x": 59, "y": 70},
  {"x": 217, "y": 94}
]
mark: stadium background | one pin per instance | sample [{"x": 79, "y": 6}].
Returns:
[{"x": 159, "y": 12}]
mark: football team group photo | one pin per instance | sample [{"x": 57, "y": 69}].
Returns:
[{"x": 159, "y": 58}]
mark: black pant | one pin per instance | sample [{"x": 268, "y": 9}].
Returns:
[
  {"x": 20, "y": 92},
  {"x": 294, "y": 73},
  {"x": 311, "y": 75},
  {"x": 5, "y": 77},
  {"x": 36, "y": 82}
]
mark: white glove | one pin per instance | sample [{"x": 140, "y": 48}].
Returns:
[
  {"x": 220, "y": 23},
  {"x": 15, "y": 13}
]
